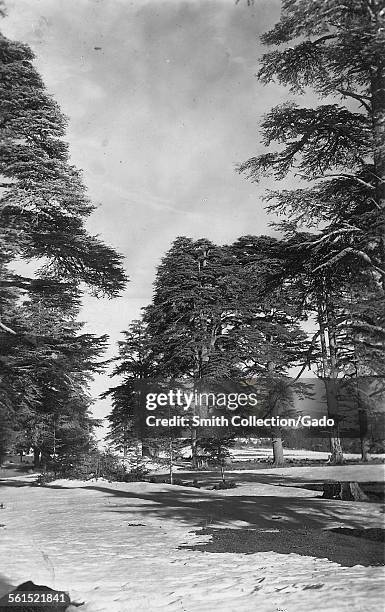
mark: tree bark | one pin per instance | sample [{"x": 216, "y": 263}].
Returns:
[
  {"x": 278, "y": 457},
  {"x": 335, "y": 440},
  {"x": 171, "y": 451},
  {"x": 378, "y": 102},
  {"x": 329, "y": 368},
  {"x": 351, "y": 491},
  {"x": 336, "y": 454},
  {"x": 363, "y": 424},
  {"x": 378, "y": 119},
  {"x": 276, "y": 434},
  {"x": 194, "y": 450}
]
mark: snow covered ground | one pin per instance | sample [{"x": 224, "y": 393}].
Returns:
[
  {"x": 254, "y": 452},
  {"x": 134, "y": 547},
  {"x": 251, "y": 453}
]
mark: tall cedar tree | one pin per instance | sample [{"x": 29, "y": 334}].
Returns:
[
  {"x": 43, "y": 210},
  {"x": 337, "y": 48},
  {"x": 193, "y": 308}
]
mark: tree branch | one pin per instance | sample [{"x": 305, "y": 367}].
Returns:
[
  {"x": 322, "y": 38},
  {"x": 344, "y": 252},
  {"x": 326, "y": 236},
  {"x": 309, "y": 352},
  {"x": 341, "y": 176},
  {"x": 350, "y": 94},
  {"x": 7, "y": 329}
]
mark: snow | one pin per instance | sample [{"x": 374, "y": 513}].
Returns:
[
  {"x": 357, "y": 473},
  {"x": 123, "y": 547},
  {"x": 249, "y": 454}
]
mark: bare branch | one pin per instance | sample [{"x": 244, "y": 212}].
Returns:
[
  {"x": 350, "y": 94},
  {"x": 341, "y": 176},
  {"x": 339, "y": 231},
  {"x": 7, "y": 329},
  {"x": 346, "y": 251},
  {"x": 323, "y": 38},
  {"x": 309, "y": 352}
]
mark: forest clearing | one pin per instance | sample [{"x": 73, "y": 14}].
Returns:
[{"x": 144, "y": 546}]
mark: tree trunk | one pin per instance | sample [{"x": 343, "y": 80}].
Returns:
[
  {"x": 378, "y": 103},
  {"x": 335, "y": 440},
  {"x": 347, "y": 491},
  {"x": 363, "y": 424},
  {"x": 146, "y": 451},
  {"x": 197, "y": 409},
  {"x": 44, "y": 459},
  {"x": 278, "y": 457},
  {"x": 364, "y": 449},
  {"x": 378, "y": 117},
  {"x": 351, "y": 491},
  {"x": 194, "y": 450},
  {"x": 336, "y": 454},
  {"x": 36, "y": 457},
  {"x": 276, "y": 434},
  {"x": 329, "y": 368},
  {"x": 171, "y": 452}
]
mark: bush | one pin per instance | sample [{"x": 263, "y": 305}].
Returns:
[
  {"x": 77, "y": 466},
  {"x": 135, "y": 475},
  {"x": 94, "y": 465},
  {"x": 176, "y": 481},
  {"x": 45, "y": 478}
]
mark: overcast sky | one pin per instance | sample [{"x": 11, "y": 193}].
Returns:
[{"x": 162, "y": 102}]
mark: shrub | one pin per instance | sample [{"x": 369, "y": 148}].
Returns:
[
  {"x": 225, "y": 484},
  {"x": 137, "y": 474},
  {"x": 45, "y": 478},
  {"x": 95, "y": 464},
  {"x": 175, "y": 481}
]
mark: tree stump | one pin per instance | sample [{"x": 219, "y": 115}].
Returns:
[
  {"x": 351, "y": 491},
  {"x": 347, "y": 491}
]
